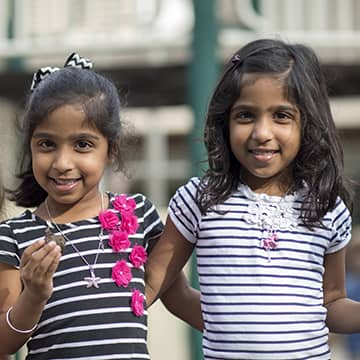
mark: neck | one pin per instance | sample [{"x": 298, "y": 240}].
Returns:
[
  {"x": 75, "y": 212},
  {"x": 272, "y": 188}
]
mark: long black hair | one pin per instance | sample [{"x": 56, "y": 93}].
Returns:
[
  {"x": 100, "y": 101},
  {"x": 319, "y": 162}
]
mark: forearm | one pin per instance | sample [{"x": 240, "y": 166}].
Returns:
[
  {"x": 156, "y": 283},
  {"x": 343, "y": 316},
  {"x": 184, "y": 302},
  {"x": 25, "y": 313},
  {"x": 165, "y": 262}
]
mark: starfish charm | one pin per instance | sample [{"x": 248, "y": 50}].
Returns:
[{"x": 92, "y": 281}]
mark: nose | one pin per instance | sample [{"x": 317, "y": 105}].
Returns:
[
  {"x": 63, "y": 161},
  {"x": 262, "y": 130}
]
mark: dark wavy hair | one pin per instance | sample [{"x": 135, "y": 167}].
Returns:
[
  {"x": 100, "y": 101},
  {"x": 319, "y": 162}
]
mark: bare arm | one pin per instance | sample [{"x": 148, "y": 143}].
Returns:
[
  {"x": 165, "y": 262},
  {"x": 165, "y": 279},
  {"x": 184, "y": 302},
  {"x": 26, "y": 291},
  {"x": 343, "y": 313}
]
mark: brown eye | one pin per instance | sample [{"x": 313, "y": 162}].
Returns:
[
  {"x": 46, "y": 144},
  {"x": 243, "y": 117},
  {"x": 282, "y": 117},
  {"x": 83, "y": 145}
]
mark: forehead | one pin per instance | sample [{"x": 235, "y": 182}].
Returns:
[
  {"x": 66, "y": 118},
  {"x": 66, "y": 115},
  {"x": 263, "y": 84},
  {"x": 250, "y": 79}
]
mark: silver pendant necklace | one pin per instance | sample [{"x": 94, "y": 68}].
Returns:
[{"x": 92, "y": 280}]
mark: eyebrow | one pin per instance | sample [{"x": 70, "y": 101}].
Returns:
[
  {"x": 40, "y": 135},
  {"x": 252, "y": 108}
]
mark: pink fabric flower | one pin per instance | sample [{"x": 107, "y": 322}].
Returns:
[
  {"x": 122, "y": 203},
  {"x": 270, "y": 242},
  {"x": 138, "y": 256},
  {"x": 119, "y": 240},
  {"x": 129, "y": 223},
  {"x": 121, "y": 273},
  {"x": 137, "y": 303},
  {"x": 108, "y": 219}
]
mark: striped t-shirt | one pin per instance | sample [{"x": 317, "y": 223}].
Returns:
[
  {"x": 260, "y": 302},
  {"x": 80, "y": 322}
]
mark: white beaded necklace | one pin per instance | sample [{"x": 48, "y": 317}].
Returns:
[{"x": 92, "y": 280}]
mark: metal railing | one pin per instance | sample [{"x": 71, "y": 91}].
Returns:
[
  {"x": 159, "y": 31},
  {"x": 332, "y": 27},
  {"x": 139, "y": 30}
]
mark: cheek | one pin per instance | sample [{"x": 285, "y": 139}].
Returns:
[
  {"x": 237, "y": 138},
  {"x": 38, "y": 168},
  {"x": 291, "y": 137},
  {"x": 93, "y": 165}
]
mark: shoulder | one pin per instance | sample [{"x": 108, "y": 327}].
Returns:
[
  {"x": 340, "y": 223},
  {"x": 184, "y": 203},
  {"x": 22, "y": 220},
  {"x": 137, "y": 198},
  {"x": 137, "y": 201},
  {"x": 191, "y": 187},
  {"x": 16, "y": 234},
  {"x": 340, "y": 216},
  {"x": 340, "y": 212}
]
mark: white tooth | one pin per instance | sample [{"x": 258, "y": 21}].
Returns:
[
  {"x": 64, "y": 182},
  {"x": 263, "y": 152}
]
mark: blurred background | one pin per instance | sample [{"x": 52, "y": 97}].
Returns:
[{"x": 165, "y": 57}]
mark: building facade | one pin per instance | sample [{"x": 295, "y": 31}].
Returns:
[{"x": 145, "y": 46}]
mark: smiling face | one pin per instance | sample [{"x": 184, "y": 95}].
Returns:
[
  {"x": 69, "y": 157},
  {"x": 265, "y": 134}
]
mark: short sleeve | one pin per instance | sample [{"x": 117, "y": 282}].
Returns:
[
  {"x": 184, "y": 211},
  {"x": 152, "y": 224},
  {"x": 9, "y": 251},
  {"x": 340, "y": 227}
]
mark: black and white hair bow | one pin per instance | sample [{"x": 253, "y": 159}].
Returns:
[{"x": 74, "y": 60}]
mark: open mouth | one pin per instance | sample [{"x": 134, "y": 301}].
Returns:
[
  {"x": 263, "y": 155},
  {"x": 65, "y": 185},
  {"x": 64, "y": 181},
  {"x": 264, "y": 152}
]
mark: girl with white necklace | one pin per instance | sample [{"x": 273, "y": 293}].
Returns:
[{"x": 72, "y": 270}]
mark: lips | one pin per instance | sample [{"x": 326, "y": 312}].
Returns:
[
  {"x": 263, "y": 152},
  {"x": 263, "y": 155},
  {"x": 64, "y": 185},
  {"x": 64, "y": 181}
]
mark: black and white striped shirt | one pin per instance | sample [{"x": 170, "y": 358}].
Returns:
[
  {"x": 80, "y": 322},
  {"x": 257, "y": 303}
]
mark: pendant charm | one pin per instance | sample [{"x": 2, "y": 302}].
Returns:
[
  {"x": 93, "y": 280},
  {"x": 270, "y": 243}
]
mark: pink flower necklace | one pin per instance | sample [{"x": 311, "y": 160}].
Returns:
[{"x": 119, "y": 230}]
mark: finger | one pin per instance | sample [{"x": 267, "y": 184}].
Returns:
[
  {"x": 45, "y": 256},
  {"x": 53, "y": 265},
  {"x": 27, "y": 255},
  {"x": 39, "y": 271},
  {"x": 33, "y": 263},
  {"x": 43, "y": 251},
  {"x": 50, "y": 262}
]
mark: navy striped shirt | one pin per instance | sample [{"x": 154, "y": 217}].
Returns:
[
  {"x": 80, "y": 322},
  {"x": 257, "y": 302}
]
